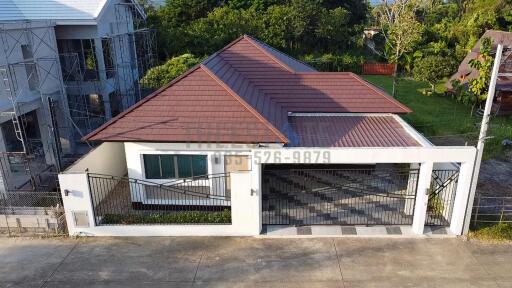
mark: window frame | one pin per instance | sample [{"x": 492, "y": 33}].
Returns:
[{"x": 175, "y": 168}]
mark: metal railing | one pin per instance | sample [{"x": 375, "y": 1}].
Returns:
[
  {"x": 441, "y": 197},
  {"x": 489, "y": 210},
  {"x": 127, "y": 201},
  {"x": 339, "y": 196}
]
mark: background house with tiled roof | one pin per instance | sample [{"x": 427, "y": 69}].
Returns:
[
  {"x": 502, "y": 104},
  {"x": 255, "y": 141}
]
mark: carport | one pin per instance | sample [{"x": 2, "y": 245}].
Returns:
[
  {"x": 337, "y": 194},
  {"x": 363, "y": 170}
]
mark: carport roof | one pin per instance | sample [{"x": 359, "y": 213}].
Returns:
[{"x": 349, "y": 131}]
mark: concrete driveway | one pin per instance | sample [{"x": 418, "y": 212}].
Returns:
[{"x": 252, "y": 262}]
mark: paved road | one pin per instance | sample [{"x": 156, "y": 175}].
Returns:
[{"x": 251, "y": 262}]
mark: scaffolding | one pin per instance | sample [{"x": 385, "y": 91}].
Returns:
[
  {"x": 76, "y": 91},
  {"x": 24, "y": 80},
  {"x": 127, "y": 53},
  {"x": 134, "y": 48}
]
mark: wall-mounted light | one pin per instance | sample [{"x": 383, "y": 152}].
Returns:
[{"x": 66, "y": 192}]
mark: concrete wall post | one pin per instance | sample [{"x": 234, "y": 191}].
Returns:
[
  {"x": 420, "y": 209},
  {"x": 462, "y": 198}
]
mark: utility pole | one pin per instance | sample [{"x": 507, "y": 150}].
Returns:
[{"x": 483, "y": 135}]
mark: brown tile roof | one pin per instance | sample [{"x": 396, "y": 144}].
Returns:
[
  {"x": 467, "y": 73},
  {"x": 194, "y": 108},
  {"x": 349, "y": 131},
  {"x": 245, "y": 82}
]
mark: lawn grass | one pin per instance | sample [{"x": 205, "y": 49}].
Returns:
[
  {"x": 501, "y": 232},
  {"x": 443, "y": 120}
]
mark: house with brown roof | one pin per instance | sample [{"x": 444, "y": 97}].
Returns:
[
  {"x": 252, "y": 141},
  {"x": 502, "y": 104}
]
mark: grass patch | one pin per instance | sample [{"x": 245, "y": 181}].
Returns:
[
  {"x": 183, "y": 217},
  {"x": 443, "y": 120},
  {"x": 501, "y": 232},
  {"x": 435, "y": 205}
]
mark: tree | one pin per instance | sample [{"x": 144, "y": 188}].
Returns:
[
  {"x": 220, "y": 27},
  {"x": 483, "y": 63},
  {"x": 158, "y": 76},
  {"x": 400, "y": 28},
  {"x": 432, "y": 69},
  {"x": 333, "y": 28}
]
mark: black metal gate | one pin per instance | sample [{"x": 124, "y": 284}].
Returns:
[
  {"x": 367, "y": 196},
  {"x": 441, "y": 197}
]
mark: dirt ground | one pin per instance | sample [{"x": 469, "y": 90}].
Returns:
[{"x": 496, "y": 177}]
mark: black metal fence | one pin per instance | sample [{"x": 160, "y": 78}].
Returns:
[
  {"x": 339, "y": 196},
  {"x": 127, "y": 201},
  {"x": 441, "y": 197}
]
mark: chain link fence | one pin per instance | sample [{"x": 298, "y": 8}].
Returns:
[{"x": 31, "y": 213}]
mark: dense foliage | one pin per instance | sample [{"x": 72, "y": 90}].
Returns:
[
  {"x": 328, "y": 33},
  {"x": 201, "y": 27}
]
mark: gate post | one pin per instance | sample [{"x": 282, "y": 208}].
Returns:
[
  {"x": 420, "y": 209},
  {"x": 411, "y": 184},
  {"x": 463, "y": 200}
]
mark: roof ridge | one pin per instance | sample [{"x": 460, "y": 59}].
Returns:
[
  {"x": 258, "y": 41},
  {"x": 209, "y": 58},
  {"x": 138, "y": 104},
  {"x": 285, "y": 66},
  {"x": 379, "y": 91},
  {"x": 246, "y": 105}
]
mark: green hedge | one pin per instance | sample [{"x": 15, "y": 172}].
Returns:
[{"x": 184, "y": 217}]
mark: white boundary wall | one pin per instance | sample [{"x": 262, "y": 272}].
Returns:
[
  {"x": 244, "y": 213},
  {"x": 246, "y": 187}
]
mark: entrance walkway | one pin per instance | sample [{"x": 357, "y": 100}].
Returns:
[
  {"x": 252, "y": 262},
  {"x": 352, "y": 231}
]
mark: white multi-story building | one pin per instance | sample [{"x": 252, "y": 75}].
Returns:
[{"x": 66, "y": 66}]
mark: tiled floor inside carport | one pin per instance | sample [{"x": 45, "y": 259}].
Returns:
[{"x": 335, "y": 230}]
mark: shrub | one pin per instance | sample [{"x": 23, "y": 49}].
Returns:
[
  {"x": 336, "y": 63},
  {"x": 182, "y": 217},
  {"x": 158, "y": 76}
]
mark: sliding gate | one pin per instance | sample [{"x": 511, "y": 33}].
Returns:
[{"x": 339, "y": 196}]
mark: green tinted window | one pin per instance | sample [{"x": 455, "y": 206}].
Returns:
[
  {"x": 152, "y": 166},
  {"x": 199, "y": 165},
  {"x": 172, "y": 166},
  {"x": 167, "y": 162},
  {"x": 184, "y": 166}
]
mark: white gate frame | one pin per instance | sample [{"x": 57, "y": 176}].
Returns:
[{"x": 426, "y": 156}]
